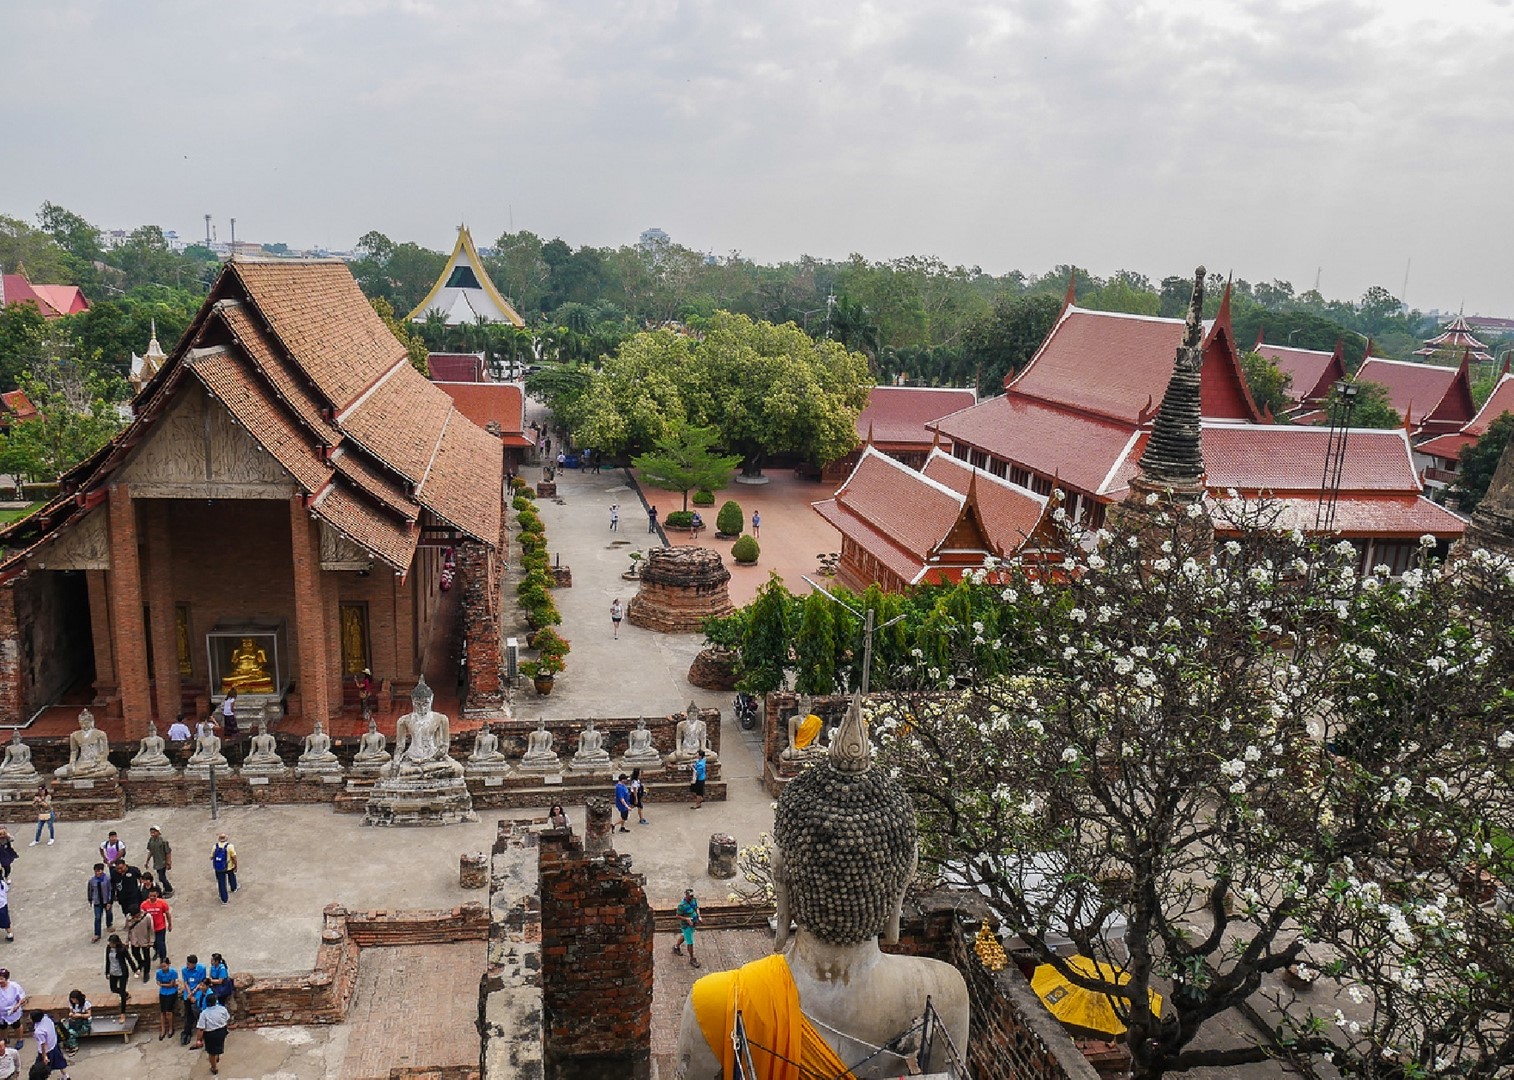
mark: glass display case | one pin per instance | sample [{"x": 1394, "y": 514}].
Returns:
[{"x": 252, "y": 658}]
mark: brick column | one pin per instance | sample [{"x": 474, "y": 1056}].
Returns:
[
  {"x": 404, "y": 624},
  {"x": 99, "y": 629},
  {"x": 309, "y": 612},
  {"x": 12, "y": 690},
  {"x": 165, "y": 637},
  {"x": 331, "y": 596},
  {"x": 480, "y": 619},
  {"x": 128, "y": 631}
]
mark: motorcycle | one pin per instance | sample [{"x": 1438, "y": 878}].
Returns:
[{"x": 745, "y": 707}]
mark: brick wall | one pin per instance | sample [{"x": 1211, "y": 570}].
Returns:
[
  {"x": 12, "y": 694},
  {"x": 510, "y": 1005},
  {"x": 596, "y": 946},
  {"x": 480, "y": 625}
]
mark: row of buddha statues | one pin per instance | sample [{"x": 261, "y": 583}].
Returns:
[{"x": 421, "y": 751}]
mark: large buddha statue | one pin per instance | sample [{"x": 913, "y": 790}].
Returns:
[
  {"x": 690, "y": 737},
  {"x": 422, "y": 741},
  {"x": 150, "y": 756},
  {"x": 641, "y": 754},
  {"x": 540, "y": 757},
  {"x": 88, "y": 753},
  {"x": 845, "y": 851},
  {"x": 249, "y": 672},
  {"x": 17, "y": 768}
]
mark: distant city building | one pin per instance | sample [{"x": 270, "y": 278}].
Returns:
[
  {"x": 54, "y": 301},
  {"x": 654, "y": 237},
  {"x": 1455, "y": 338},
  {"x": 463, "y": 294}
]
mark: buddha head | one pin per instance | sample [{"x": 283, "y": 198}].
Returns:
[
  {"x": 86, "y": 721},
  {"x": 846, "y": 844},
  {"x": 372, "y": 725},
  {"x": 421, "y": 698}
]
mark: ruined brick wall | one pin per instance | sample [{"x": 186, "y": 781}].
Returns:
[
  {"x": 510, "y": 997},
  {"x": 480, "y": 618},
  {"x": 596, "y": 949},
  {"x": 1013, "y": 1037},
  {"x": 11, "y": 690}
]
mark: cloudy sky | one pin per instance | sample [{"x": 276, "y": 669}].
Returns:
[{"x": 1273, "y": 139}]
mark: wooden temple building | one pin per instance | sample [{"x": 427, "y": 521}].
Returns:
[
  {"x": 275, "y": 518},
  {"x": 1432, "y": 399},
  {"x": 1312, "y": 374},
  {"x": 1079, "y": 417},
  {"x": 1440, "y": 457}
]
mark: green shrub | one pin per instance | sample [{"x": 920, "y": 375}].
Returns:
[
  {"x": 535, "y": 558},
  {"x": 729, "y": 520},
  {"x": 745, "y": 550},
  {"x": 704, "y": 498},
  {"x": 530, "y": 522},
  {"x": 679, "y": 519},
  {"x": 520, "y": 502},
  {"x": 518, "y": 485}
]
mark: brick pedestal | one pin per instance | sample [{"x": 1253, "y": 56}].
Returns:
[
  {"x": 473, "y": 870},
  {"x": 722, "y": 856},
  {"x": 597, "y": 823}
]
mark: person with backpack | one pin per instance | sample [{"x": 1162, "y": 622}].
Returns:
[
  {"x": 638, "y": 796},
  {"x": 223, "y": 859},
  {"x": 688, "y": 918}
]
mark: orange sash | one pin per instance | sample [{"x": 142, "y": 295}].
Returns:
[{"x": 781, "y": 1038}]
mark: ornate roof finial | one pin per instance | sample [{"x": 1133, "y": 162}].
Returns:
[{"x": 851, "y": 752}]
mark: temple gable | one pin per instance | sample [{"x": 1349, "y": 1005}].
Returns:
[
  {"x": 196, "y": 451},
  {"x": 83, "y": 545}
]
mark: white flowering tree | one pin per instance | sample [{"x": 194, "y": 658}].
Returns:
[{"x": 1158, "y": 790}]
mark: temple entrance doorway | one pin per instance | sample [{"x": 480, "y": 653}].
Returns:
[{"x": 57, "y": 659}]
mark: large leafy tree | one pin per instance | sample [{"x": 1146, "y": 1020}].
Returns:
[
  {"x": 32, "y": 251},
  {"x": 415, "y": 347},
  {"x": 1268, "y": 383},
  {"x": 76, "y": 410},
  {"x": 686, "y": 459},
  {"x": 1003, "y": 341},
  {"x": 638, "y": 395}
]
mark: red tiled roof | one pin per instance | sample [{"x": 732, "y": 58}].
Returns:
[
  {"x": 1359, "y": 516},
  {"x": 483, "y": 402},
  {"x": 457, "y": 367},
  {"x": 897, "y": 416},
  {"x": 18, "y": 405},
  {"x": 1500, "y": 401},
  {"x": 53, "y": 301},
  {"x": 1448, "y": 447},
  {"x": 1010, "y": 513},
  {"x": 230, "y": 383},
  {"x": 1076, "y": 448},
  {"x": 918, "y": 522},
  {"x": 1287, "y": 457},
  {"x": 870, "y": 539},
  {"x": 300, "y": 301},
  {"x": 1313, "y": 371},
  {"x": 455, "y": 489},
  {"x": 377, "y": 482},
  {"x": 285, "y": 379},
  {"x": 1118, "y": 366},
  {"x": 347, "y": 512},
  {"x": 400, "y": 421},
  {"x": 1417, "y": 386}
]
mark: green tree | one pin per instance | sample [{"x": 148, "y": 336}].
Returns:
[
  {"x": 1373, "y": 408},
  {"x": 633, "y": 400},
  {"x": 23, "y": 335},
  {"x": 685, "y": 459},
  {"x": 1123, "y": 293},
  {"x": 74, "y": 235},
  {"x": 765, "y": 658},
  {"x": 1002, "y": 342},
  {"x": 817, "y": 649},
  {"x": 76, "y": 415},
  {"x": 33, "y": 252},
  {"x": 111, "y": 330},
  {"x": 1269, "y": 384},
  {"x": 1480, "y": 459}
]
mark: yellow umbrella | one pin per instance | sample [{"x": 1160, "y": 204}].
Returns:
[{"x": 1082, "y": 1008}]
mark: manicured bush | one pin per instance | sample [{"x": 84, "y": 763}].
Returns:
[
  {"x": 745, "y": 550},
  {"x": 679, "y": 519},
  {"x": 530, "y": 522},
  {"x": 704, "y": 498},
  {"x": 535, "y": 558},
  {"x": 518, "y": 485},
  {"x": 729, "y": 520},
  {"x": 520, "y": 502}
]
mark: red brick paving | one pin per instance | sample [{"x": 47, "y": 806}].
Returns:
[
  {"x": 719, "y": 950},
  {"x": 414, "y": 1005}
]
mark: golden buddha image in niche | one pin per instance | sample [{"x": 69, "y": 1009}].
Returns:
[
  {"x": 354, "y": 638},
  {"x": 249, "y": 670}
]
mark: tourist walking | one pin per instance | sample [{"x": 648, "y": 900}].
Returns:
[
  {"x": 756, "y": 523},
  {"x": 156, "y": 909},
  {"x": 117, "y": 968},
  {"x": 80, "y": 1020},
  {"x": 696, "y": 787},
  {"x": 139, "y": 938},
  {"x": 42, "y": 803},
  {"x": 614, "y": 517},
  {"x": 48, "y": 1050},
  {"x": 223, "y": 859},
  {"x": 160, "y": 857},
  {"x": 8, "y": 853},
  {"x": 638, "y": 795},
  {"x": 112, "y": 849},
  {"x": 688, "y": 918},
  {"x": 622, "y": 801},
  {"x": 5, "y": 910},
  {"x": 168, "y": 997},
  {"x": 126, "y": 886},
  {"x": 191, "y": 981},
  {"x": 214, "y": 1019},
  {"x": 617, "y": 612},
  {"x": 12, "y": 1002},
  {"x": 99, "y": 895},
  {"x": 696, "y": 523},
  {"x": 651, "y": 519}
]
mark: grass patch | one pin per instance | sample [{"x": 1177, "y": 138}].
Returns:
[{"x": 8, "y": 516}]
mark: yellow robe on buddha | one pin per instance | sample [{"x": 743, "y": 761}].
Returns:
[{"x": 779, "y": 1035}]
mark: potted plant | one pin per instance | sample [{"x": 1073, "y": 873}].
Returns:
[{"x": 551, "y": 649}]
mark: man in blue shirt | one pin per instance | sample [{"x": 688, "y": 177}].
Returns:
[
  {"x": 191, "y": 978},
  {"x": 697, "y": 787},
  {"x": 623, "y": 800},
  {"x": 168, "y": 997}
]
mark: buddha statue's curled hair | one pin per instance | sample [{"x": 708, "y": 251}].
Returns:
[{"x": 847, "y": 836}]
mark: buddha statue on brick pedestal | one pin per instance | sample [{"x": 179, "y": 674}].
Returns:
[{"x": 88, "y": 753}]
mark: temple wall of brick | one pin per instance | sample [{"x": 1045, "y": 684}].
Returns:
[
  {"x": 596, "y": 947},
  {"x": 510, "y": 1004}
]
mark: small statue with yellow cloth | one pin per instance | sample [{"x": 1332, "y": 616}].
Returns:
[
  {"x": 830, "y": 1002},
  {"x": 804, "y": 731}
]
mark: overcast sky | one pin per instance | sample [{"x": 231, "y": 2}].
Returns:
[{"x": 1272, "y": 139}]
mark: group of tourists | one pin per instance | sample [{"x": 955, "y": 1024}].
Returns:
[{"x": 200, "y": 992}]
